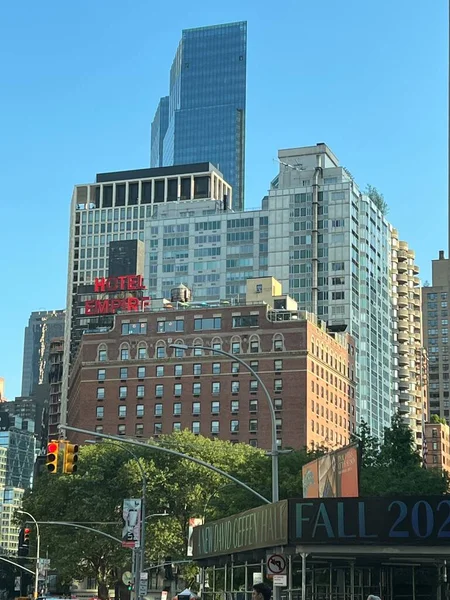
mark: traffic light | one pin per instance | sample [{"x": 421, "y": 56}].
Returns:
[
  {"x": 24, "y": 541},
  {"x": 70, "y": 458},
  {"x": 52, "y": 456},
  {"x": 130, "y": 586}
]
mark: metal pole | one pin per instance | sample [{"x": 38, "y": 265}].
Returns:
[
  {"x": 274, "y": 452},
  {"x": 304, "y": 555},
  {"x": 68, "y": 524},
  {"x": 16, "y": 565},
  {"x": 168, "y": 451},
  {"x": 290, "y": 577},
  {"x": 38, "y": 551}
]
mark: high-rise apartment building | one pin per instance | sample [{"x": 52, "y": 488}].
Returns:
[
  {"x": 410, "y": 366},
  {"x": 203, "y": 118},
  {"x": 130, "y": 381},
  {"x": 436, "y": 326},
  {"x": 42, "y": 327},
  {"x": 56, "y": 360}
]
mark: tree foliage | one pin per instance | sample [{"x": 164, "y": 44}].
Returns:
[
  {"x": 394, "y": 466},
  {"x": 438, "y": 419},
  {"x": 377, "y": 198}
]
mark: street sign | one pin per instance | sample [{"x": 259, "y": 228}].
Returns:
[
  {"x": 127, "y": 578},
  {"x": 17, "y": 584},
  {"x": 257, "y": 578},
  {"x": 131, "y": 514},
  {"x": 280, "y": 580},
  {"x": 143, "y": 583},
  {"x": 276, "y": 564}
]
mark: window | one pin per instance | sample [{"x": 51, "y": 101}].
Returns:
[
  {"x": 101, "y": 393},
  {"x": 254, "y": 346},
  {"x": 277, "y": 365},
  {"x": 235, "y": 367},
  {"x": 101, "y": 374},
  {"x": 198, "y": 352},
  {"x": 216, "y": 368},
  {"x": 178, "y": 370},
  {"x": 254, "y": 364},
  {"x": 123, "y": 390},
  {"x": 196, "y": 427},
  {"x": 176, "y": 426},
  {"x": 215, "y": 427},
  {"x": 337, "y": 295},
  {"x": 235, "y": 406},
  {"x": 170, "y": 326},
  {"x": 278, "y": 403},
  {"x": 196, "y": 408},
  {"x": 278, "y": 385},
  {"x": 139, "y": 410},
  {"x": 215, "y": 387},
  {"x": 197, "y": 369},
  {"x": 124, "y": 354},
  {"x": 141, "y": 372},
  {"x": 177, "y": 389},
  {"x": 100, "y": 412},
  {"x": 215, "y": 407},
  {"x": 245, "y": 321},
  {"x": 140, "y": 391},
  {"x": 196, "y": 389},
  {"x": 142, "y": 352},
  {"x": 157, "y": 428},
  {"x": 202, "y": 324},
  {"x": 279, "y": 424},
  {"x": 179, "y": 353},
  {"x": 99, "y": 429},
  {"x": 122, "y": 411},
  {"x": 102, "y": 355},
  {"x": 216, "y": 346},
  {"x": 177, "y": 408},
  {"x": 161, "y": 352},
  {"x": 236, "y": 348},
  {"x": 234, "y": 426},
  {"x": 158, "y": 410},
  {"x": 253, "y": 443},
  {"x": 253, "y": 385},
  {"x": 253, "y": 425},
  {"x": 139, "y": 429},
  {"x": 235, "y": 387},
  {"x": 134, "y": 328},
  {"x": 159, "y": 371},
  {"x": 121, "y": 429},
  {"x": 159, "y": 390},
  {"x": 123, "y": 373}
]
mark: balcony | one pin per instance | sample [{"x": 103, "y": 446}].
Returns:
[
  {"x": 403, "y": 373},
  {"x": 403, "y": 360},
  {"x": 404, "y": 313},
  {"x": 402, "y": 279},
  {"x": 403, "y": 336},
  {"x": 403, "y": 325},
  {"x": 402, "y": 301}
]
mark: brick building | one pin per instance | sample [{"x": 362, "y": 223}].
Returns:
[
  {"x": 130, "y": 381},
  {"x": 438, "y": 445}
]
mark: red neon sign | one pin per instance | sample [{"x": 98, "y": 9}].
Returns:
[
  {"x": 124, "y": 283},
  {"x": 110, "y": 306}
]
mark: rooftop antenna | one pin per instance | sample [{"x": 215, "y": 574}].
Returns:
[{"x": 297, "y": 167}]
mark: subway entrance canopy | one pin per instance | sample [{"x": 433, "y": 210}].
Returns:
[{"x": 338, "y": 548}]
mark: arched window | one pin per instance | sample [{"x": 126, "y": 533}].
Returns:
[
  {"x": 197, "y": 351},
  {"x": 102, "y": 353},
  {"x": 278, "y": 342},
  {"x": 254, "y": 345},
  {"x": 216, "y": 343},
  {"x": 177, "y": 352},
  {"x": 160, "y": 349},
  {"x": 124, "y": 352},
  {"x": 236, "y": 345},
  {"x": 142, "y": 351}
]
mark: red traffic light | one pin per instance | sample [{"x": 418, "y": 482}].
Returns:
[
  {"x": 27, "y": 531},
  {"x": 52, "y": 448}
]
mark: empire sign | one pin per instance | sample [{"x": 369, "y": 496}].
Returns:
[{"x": 117, "y": 285}]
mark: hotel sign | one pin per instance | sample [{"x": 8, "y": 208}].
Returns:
[
  {"x": 262, "y": 527},
  {"x": 117, "y": 285}
]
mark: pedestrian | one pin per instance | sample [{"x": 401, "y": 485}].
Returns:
[
  {"x": 371, "y": 597},
  {"x": 261, "y": 591}
]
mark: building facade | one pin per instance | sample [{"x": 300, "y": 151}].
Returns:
[
  {"x": 56, "y": 360},
  {"x": 10, "y": 501},
  {"x": 206, "y": 104},
  {"x": 436, "y": 319},
  {"x": 130, "y": 381},
  {"x": 42, "y": 327},
  {"x": 18, "y": 438},
  {"x": 410, "y": 367},
  {"x": 115, "y": 209},
  {"x": 438, "y": 446}
]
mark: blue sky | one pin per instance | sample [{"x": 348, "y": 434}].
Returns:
[{"x": 80, "y": 82}]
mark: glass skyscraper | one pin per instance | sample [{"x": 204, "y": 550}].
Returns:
[{"x": 206, "y": 106}]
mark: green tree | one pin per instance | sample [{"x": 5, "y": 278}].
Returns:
[
  {"x": 377, "y": 198},
  {"x": 438, "y": 419}
]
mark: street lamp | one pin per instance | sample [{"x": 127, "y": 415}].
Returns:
[
  {"x": 38, "y": 551},
  {"x": 140, "y": 557},
  {"x": 274, "y": 452}
]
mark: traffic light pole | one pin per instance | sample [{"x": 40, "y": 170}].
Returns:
[{"x": 38, "y": 552}]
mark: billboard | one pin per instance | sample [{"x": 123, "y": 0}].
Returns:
[
  {"x": 334, "y": 475},
  {"x": 131, "y": 532}
]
